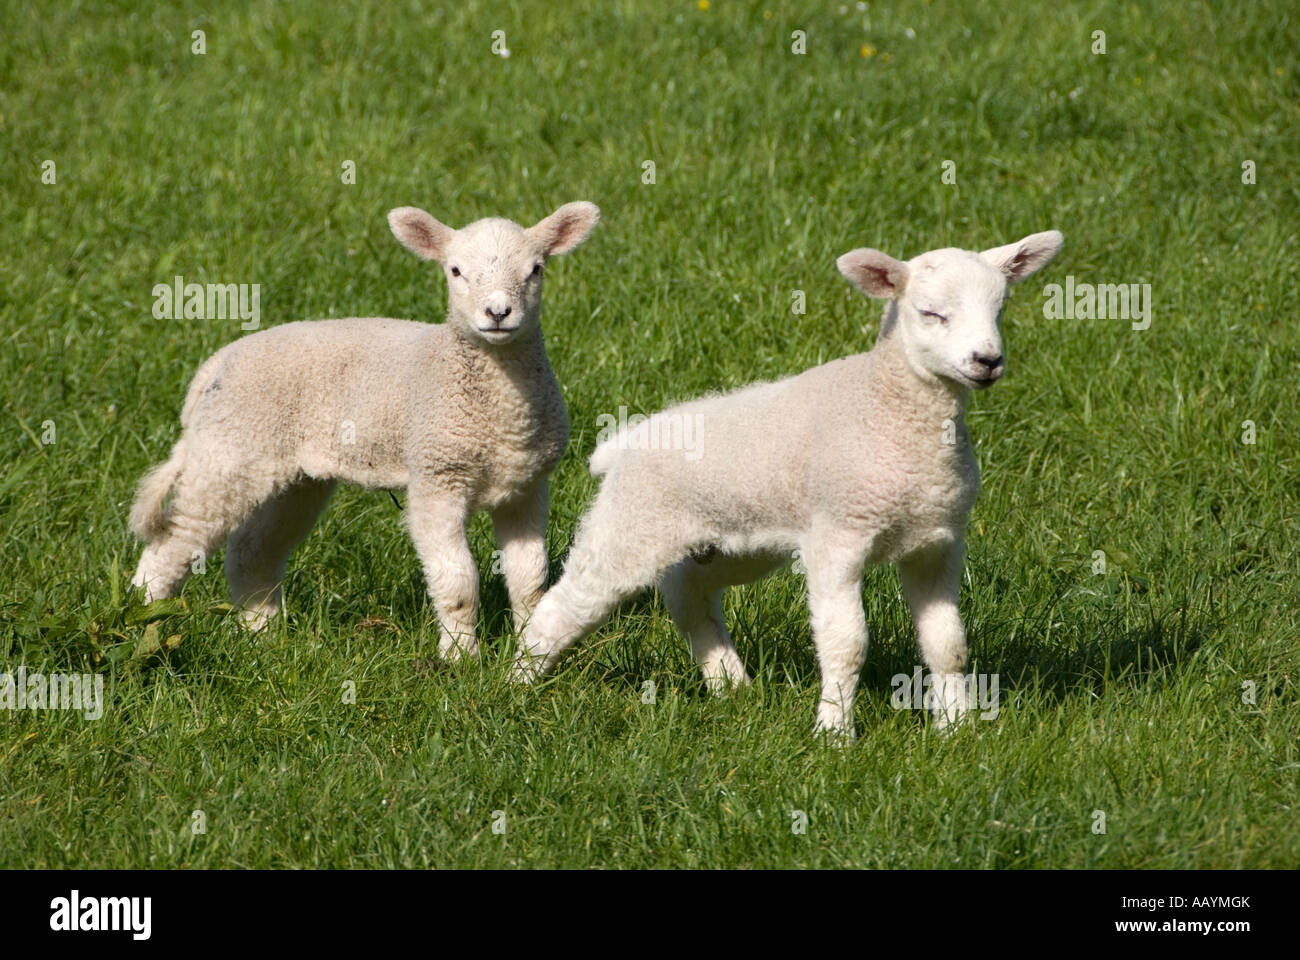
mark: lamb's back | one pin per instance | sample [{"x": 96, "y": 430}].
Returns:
[
  {"x": 330, "y": 395},
  {"x": 837, "y": 441},
  {"x": 731, "y": 460}
]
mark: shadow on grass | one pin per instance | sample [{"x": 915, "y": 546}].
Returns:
[
  {"x": 1071, "y": 643},
  {"x": 1062, "y": 645},
  {"x": 1065, "y": 642}
]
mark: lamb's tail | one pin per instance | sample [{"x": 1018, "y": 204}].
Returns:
[{"x": 147, "y": 518}]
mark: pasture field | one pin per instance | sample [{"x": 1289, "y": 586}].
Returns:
[{"x": 1133, "y": 569}]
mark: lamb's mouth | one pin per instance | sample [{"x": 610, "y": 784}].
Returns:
[
  {"x": 985, "y": 381},
  {"x": 498, "y": 333}
]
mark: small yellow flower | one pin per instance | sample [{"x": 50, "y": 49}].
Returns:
[
  {"x": 1278, "y": 71},
  {"x": 704, "y": 4},
  {"x": 867, "y": 50},
  {"x": 767, "y": 14},
  {"x": 886, "y": 57}
]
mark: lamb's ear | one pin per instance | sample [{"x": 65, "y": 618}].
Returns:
[
  {"x": 566, "y": 227},
  {"x": 419, "y": 232},
  {"x": 874, "y": 273},
  {"x": 1024, "y": 257}
]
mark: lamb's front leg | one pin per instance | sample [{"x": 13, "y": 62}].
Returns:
[
  {"x": 520, "y": 525},
  {"x": 931, "y": 583},
  {"x": 839, "y": 629},
  {"x": 437, "y": 520}
]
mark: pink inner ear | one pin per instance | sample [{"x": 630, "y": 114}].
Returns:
[
  {"x": 883, "y": 280},
  {"x": 419, "y": 232},
  {"x": 569, "y": 231},
  {"x": 875, "y": 273},
  {"x": 563, "y": 233},
  {"x": 1017, "y": 263}
]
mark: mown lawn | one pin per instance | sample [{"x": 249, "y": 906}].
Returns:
[{"x": 1124, "y": 691}]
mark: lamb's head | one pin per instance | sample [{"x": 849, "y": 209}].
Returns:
[
  {"x": 947, "y": 303},
  {"x": 494, "y": 267}
]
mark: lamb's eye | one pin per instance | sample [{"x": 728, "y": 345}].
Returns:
[
  {"x": 537, "y": 270},
  {"x": 455, "y": 271},
  {"x": 934, "y": 316}
]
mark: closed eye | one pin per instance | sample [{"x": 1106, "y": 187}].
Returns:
[{"x": 934, "y": 316}]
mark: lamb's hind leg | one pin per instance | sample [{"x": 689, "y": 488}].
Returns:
[
  {"x": 166, "y": 563},
  {"x": 610, "y": 561},
  {"x": 258, "y": 551},
  {"x": 205, "y": 507},
  {"x": 692, "y": 591}
]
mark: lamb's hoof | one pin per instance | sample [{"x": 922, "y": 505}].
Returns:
[
  {"x": 455, "y": 652},
  {"x": 835, "y": 732},
  {"x": 950, "y": 703},
  {"x": 256, "y": 618},
  {"x": 526, "y": 669},
  {"x": 946, "y": 724},
  {"x": 145, "y": 590},
  {"x": 724, "y": 686}
]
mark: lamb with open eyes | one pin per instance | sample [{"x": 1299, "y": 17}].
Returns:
[
  {"x": 466, "y": 415},
  {"x": 863, "y": 460}
]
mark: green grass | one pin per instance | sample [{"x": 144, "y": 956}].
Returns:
[{"x": 1121, "y": 692}]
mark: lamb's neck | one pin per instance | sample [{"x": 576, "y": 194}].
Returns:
[
  {"x": 520, "y": 364},
  {"x": 914, "y": 395}
]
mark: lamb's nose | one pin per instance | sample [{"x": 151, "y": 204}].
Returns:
[
  {"x": 496, "y": 313},
  {"x": 985, "y": 360}
]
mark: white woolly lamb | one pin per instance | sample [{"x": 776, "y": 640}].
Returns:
[
  {"x": 466, "y": 415},
  {"x": 865, "y": 459}
]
